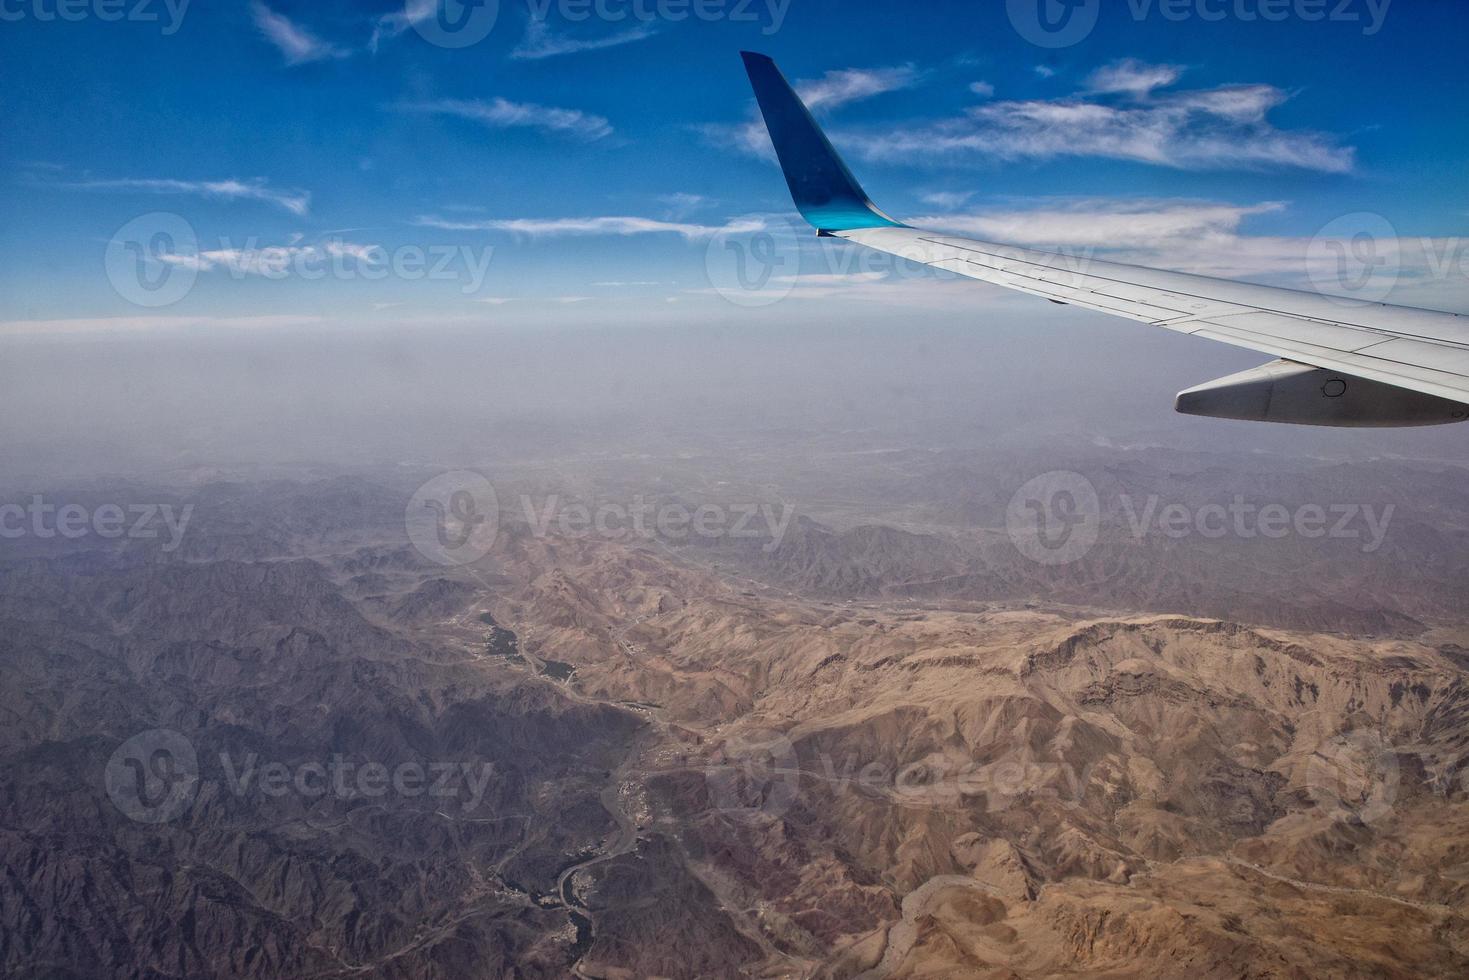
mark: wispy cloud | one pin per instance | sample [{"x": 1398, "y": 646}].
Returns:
[
  {"x": 540, "y": 41},
  {"x": 1045, "y": 71},
  {"x": 679, "y": 206},
  {"x": 1218, "y": 128},
  {"x": 272, "y": 261},
  {"x": 296, "y": 44},
  {"x": 838, "y": 88},
  {"x": 947, "y": 200},
  {"x": 982, "y": 89},
  {"x": 296, "y": 202},
  {"x": 1132, "y": 77},
  {"x": 1106, "y": 224},
  {"x": 822, "y": 95},
  {"x": 608, "y": 225},
  {"x": 501, "y": 113},
  {"x": 392, "y": 24}
]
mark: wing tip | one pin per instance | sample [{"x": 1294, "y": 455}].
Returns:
[{"x": 823, "y": 189}]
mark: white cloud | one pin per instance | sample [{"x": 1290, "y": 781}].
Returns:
[
  {"x": 362, "y": 253},
  {"x": 296, "y": 202},
  {"x": 1132, "y": 77},
  {"x": 838, "y": 88},
  {"x": 610, "y": 225},
  {"x": 501, "y": 113},
  {"x": 680, "y": 205},
  {"x": 540, "y": 41},
  {"x": 272, "y": 261},
  {"x": 1105, "y": 224},
  {"x": 296, "y": 44},
  {"x": 948, "y": 200},
  {"x": 982, "y": 89},
  {"x": 393, "y": 24},
  {"x": 822, "y": 95},
  {"x": 1045, "y": 71},
  {"x": 1216, "y": 128}
]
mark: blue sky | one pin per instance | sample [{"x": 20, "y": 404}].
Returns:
[{"x": 571, "y": 166}]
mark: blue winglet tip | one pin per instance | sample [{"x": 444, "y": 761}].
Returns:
[{"x": 824, "y": 190}]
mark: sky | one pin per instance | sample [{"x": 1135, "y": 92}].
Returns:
[{"x": 278, "y": 164}]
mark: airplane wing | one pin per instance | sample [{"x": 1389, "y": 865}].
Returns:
[{"x": 1368, "y": 365}]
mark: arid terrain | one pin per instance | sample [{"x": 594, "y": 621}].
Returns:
[{"x": 878, "y": 743}]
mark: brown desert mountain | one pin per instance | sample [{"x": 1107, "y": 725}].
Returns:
[{"x": 877, "y": 752}]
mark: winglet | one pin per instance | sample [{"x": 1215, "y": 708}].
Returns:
[{"x": 825, "y": 192}]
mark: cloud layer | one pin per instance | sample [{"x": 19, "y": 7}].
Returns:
[
  {"x": 296, "y": 202},
  {"x": 604, "y": 225},
  {"x": 1124, "y": 114},
  {"x": 498, "y": 113},
  {"x": 822, "y": 95},
  {"x": 542, "y": 42},
  {"x": 296, "y": 44}
]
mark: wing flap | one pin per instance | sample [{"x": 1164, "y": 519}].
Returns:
[{"x": 1329, "y": 336}]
